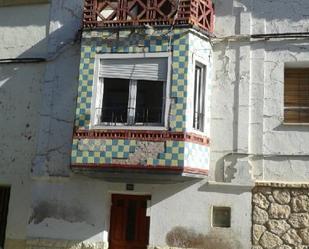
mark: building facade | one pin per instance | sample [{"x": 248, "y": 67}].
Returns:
[{"x": 159, "y": 124}]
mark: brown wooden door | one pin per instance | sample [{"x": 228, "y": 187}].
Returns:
[{"x": 129, "y": 225}]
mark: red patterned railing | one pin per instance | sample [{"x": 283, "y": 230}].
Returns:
[{"x": 115, "y": 13}]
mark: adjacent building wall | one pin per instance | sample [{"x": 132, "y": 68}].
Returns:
[
  {"x": 247, "y": 114},
  {"x": 29, "y": 31},
  {"x": 20, "y": 98},
  {"x": 247, "y": 92}
]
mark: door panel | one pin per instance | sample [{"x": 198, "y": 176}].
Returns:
[{"x": 129, "y": 225}]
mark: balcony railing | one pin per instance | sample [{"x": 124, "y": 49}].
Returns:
[{"x": 118, "y": 13}]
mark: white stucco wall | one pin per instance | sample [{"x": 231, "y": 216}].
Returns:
[
  {"x": 23, "y": 30},
  {"x": 20, "y": 86},
  {"x": 27, "y": 32},
  {"x": 37, "y": 104},
  {"x": 247, "y": 93},
  {"x": 83, "y": 216}
]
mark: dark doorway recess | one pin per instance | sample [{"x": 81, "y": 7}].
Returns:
[
  {"x": 129, "y": 224},
  {"x": 4, "y": 206}
]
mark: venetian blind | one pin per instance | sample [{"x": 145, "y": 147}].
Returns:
[
  {"x": 134, "y": 68},
  {"x": 296, "y": 95}
]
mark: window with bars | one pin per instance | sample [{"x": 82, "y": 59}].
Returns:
[
  {"x": 199, "y": 97},
  {"x": 131, "y": 91},
  {"x": 296, "y": 95}
]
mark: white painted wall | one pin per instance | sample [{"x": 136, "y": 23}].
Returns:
[
  {"x": 245, "y": 116},
  {"x": 83, "y": 209},
  {"x": 247, "y": 93},
  {"x": 27, "y": 32},
  {"x": 20, "y": 86},
  {"x": 23, "y": 30}
]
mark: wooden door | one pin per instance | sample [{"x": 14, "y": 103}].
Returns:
[{"x": 129, "y": 225}]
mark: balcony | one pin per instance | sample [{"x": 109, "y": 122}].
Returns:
[
  {"x": 128, "y": 13},
  {"x": 140, "y": 155}
]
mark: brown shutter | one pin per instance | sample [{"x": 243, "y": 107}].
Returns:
[{"x": 296, "y": 95}]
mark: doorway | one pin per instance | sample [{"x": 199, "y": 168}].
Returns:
[
  {"x": 4, "y": 205},
  {"x": 129, "y": 223}
]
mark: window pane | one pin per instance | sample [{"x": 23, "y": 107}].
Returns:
[
  {"x": 199, "y": 96},
  {"x": 115, "y": 100},
  {"x": 149, "y": 102}
]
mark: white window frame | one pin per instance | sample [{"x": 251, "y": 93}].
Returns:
[
  {"x": 97, "y": 92},
  {"x": 199, "y": 62}
]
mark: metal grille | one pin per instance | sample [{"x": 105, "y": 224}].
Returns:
[{"x": 4, "y": 204}]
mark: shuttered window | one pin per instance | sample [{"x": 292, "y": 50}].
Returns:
[
  {"x": 131, "y": 91},
  {"x": 296, "y": 95},
  {"x": 4, "y": 203}
]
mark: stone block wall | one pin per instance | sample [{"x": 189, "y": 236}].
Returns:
[{"x": 280, "y": 216}]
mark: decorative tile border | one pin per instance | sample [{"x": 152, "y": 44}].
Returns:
[
  {"x": 196, "y": 154},
  {"x": 111, "y": 151},
  {"x": 142, "y": 135}
]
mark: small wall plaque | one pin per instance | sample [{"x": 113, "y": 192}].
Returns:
[{"x": 130, "y": 186}]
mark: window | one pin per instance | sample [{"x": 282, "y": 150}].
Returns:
[
  {"x": 221, "y": 217},
  {"x": 132, "y": 91},
  {"x": 296, "y": 95},
  {"x": 199, "y": 97}
]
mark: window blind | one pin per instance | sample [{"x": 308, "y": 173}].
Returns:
[
  {"x": 134, "y": 68},
  {"x": 296, "y": 95}
]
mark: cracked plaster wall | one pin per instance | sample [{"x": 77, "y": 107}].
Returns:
[
  {"x": 247, "y": 92},
  {"x": 20, "y": 92},
  {"x": 59, "y": 90},
  {"x": 35, "y": 97}
]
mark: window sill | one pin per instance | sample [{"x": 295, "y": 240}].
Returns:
[
  {"x": 295, "y": 124},
  {"x": 197, "y": 132},
  {"x": 124, "y": 127}
]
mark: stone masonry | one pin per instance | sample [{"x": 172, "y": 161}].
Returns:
[{"x": 280, "y": 216}]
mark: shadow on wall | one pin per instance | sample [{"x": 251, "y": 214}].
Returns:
[
  {"x": 183, "y": 237},
  {"x": 23, "y": 90}
]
